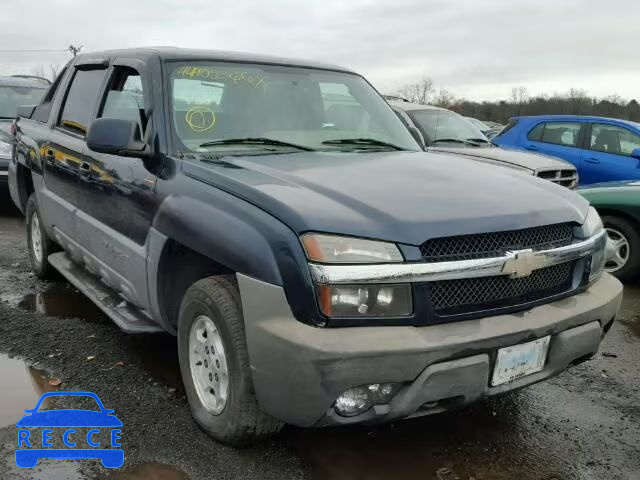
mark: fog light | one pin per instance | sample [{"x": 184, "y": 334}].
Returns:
[
  {"x": 353, "y": 402},
  {"x": 358, "y": 400}
]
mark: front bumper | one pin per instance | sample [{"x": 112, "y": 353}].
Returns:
[{"x": 299, "y": 370}]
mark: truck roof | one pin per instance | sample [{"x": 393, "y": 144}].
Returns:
[{"x": 192, "y": 54}]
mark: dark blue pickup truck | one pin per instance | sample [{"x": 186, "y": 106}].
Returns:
[{"x": 316, "y": 265}]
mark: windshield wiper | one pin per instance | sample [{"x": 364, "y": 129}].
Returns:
[
  {"x": 478, "y": 140},
  {"x": 365, "y": 142},
  {"x": 454, "y": 140},
  {"x": 255, "y": 141}
]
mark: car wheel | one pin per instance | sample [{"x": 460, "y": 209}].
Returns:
[
  {"x": 39, "y": 242},
  {"x": 624, "y": 241},
  {"x": 214, "y": 363}
]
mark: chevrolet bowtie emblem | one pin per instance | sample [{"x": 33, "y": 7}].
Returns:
[{"x": 522, "y": 264}]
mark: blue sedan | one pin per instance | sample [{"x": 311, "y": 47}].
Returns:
[{"x": 602, "y": 149}]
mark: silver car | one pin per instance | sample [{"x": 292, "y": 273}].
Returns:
[{"x": 445, "y": 131}]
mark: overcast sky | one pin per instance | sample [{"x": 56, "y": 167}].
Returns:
[{"x": 478, "y": 49}]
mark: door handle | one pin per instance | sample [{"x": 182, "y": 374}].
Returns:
[
  {"x": 592, "y": 160},
  {"x": 531, "y": 147}
]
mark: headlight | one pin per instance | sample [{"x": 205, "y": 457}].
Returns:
[
  {"x": 592, "y": 224},
  {"x": 365, "y": 300},
  {"x": 5, "y": 149},
  {"x": 336, "y": 249},
  {"x": 598, "y": 259}
]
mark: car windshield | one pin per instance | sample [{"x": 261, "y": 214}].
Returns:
[
  {"x": 230, "y": 107},
  {"x": 444, "y": 125},
  {"x": 13, "y": 97},
  {"x": 478, "y": 123}
]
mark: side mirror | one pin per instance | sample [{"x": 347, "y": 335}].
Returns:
[
  {"x": 116, "y": 137},
  {"x": 417, "y": 136},
  {"x": 636, "y": 153},
  {"x": 25, "y": 111}
]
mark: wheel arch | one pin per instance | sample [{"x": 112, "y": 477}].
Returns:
[{"x": 191, "y": 240}]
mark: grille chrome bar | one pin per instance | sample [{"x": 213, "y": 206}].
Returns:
[{"x": 429, "y": 272}]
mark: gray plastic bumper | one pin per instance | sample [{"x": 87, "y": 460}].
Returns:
[{"x": 299, "y": 370}]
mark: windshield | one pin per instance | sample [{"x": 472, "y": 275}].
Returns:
[
  {"x": 13, "y": 97},
  {"x": 438, "y": 125},
  {"x": 478, "y": 123},
  {"x": 278, "y": 109}
]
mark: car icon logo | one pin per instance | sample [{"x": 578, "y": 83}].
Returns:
[{"x": 67, "y": 426}]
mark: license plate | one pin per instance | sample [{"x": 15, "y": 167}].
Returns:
[{"x": 520, "y": 360}]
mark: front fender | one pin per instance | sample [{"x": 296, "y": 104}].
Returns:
[
  {"x": 246, "y": 240},
  {"x": 218, "y": 235}
]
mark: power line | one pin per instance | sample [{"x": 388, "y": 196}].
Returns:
[{"x": 25, "y": 50}]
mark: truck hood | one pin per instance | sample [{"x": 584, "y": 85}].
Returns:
[
  {"x": 405, "y": 197},
  {"x": 509, "y": 158}
]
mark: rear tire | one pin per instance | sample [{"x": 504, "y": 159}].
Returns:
[
  {"x": 39, "y": 243},
  {"x": 625, "y": 236},
  {"x": 214, "y": 363}
]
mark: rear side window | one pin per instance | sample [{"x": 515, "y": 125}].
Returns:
[
  {"x": 42, "y": 111},
  {"x": 557, "y": 133},
  {"x": 612, "y": 139},
  {"x": 81, "y": 100},
  {"x": 536, "y": 133}
]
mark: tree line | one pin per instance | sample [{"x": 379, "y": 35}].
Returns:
[{"x": 572, "y": 102}]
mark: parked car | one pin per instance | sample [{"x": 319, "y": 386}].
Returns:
[
  {"x": 15, "y": 91},
  {"x": 619, "y": 205},
  {"x": 316, "y": 271},
  {"x": 446, "y": 131},
  {"x": 602, "y": 149}
]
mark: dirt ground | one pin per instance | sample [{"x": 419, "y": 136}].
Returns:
[{"x": 584, "y": 424}]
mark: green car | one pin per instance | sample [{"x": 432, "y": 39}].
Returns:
[{"x": 619, "y": 206}]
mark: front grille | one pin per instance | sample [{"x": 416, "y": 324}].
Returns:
[
  {"x": 451, "y": 297},
  {"x": 496, "y": 244},
  {"x": 566, "y": 177}
]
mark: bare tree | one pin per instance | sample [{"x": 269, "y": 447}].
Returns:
[
  {"x": 419, "y": 92},
  {"x": 51, "y": 73},
  {"x": 444, "y": 98},
  {"x": 519, "y": 95},
  {"x": 75, "y": 49}
]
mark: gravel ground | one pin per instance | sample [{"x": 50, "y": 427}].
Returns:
[{"x": 584, "y": 424}]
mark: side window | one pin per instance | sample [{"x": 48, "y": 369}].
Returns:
[
  {"x": 81, "y": 99},
  {"x": 43, "y": 110},
  {"x": 535, "y": 135},
  {"x": 612, "y": 139},
  {"x": 125, "y": 97},
  {"x": 561, "y": 133}
]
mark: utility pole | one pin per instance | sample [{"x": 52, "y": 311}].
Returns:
[{"x": 75, "y": 49}]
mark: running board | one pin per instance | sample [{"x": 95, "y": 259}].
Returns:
[{"x": 128, "y": 318}]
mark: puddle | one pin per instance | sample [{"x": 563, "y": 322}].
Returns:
[
  {"x": 150, "y": 471},
  {"x": 22, "y": 386},
  {"x": 59, "y": 300},
  {"x": 481, "y": 441}
]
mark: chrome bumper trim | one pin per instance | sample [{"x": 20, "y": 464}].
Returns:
[{"x": 516, "y": 264}]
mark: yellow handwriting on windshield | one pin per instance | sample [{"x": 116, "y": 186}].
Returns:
[
  {"x": 200, "y": 119},
  {"x": 212, "y": 74}
]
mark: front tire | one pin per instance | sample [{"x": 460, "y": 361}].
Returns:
[
  {"x": 214, "y": 363},
  {"x": 39, "y": 242},
  {"x": 625, "y": 241}
]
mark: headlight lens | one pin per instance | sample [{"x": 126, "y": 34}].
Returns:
[
  {"x": 337, "y": 249},
  {"x": 598, "y": 259},
  {"x": 5, "y": 148},
  {"x": 365, "y": 300},
  {"x": 592, "y": 224}
]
